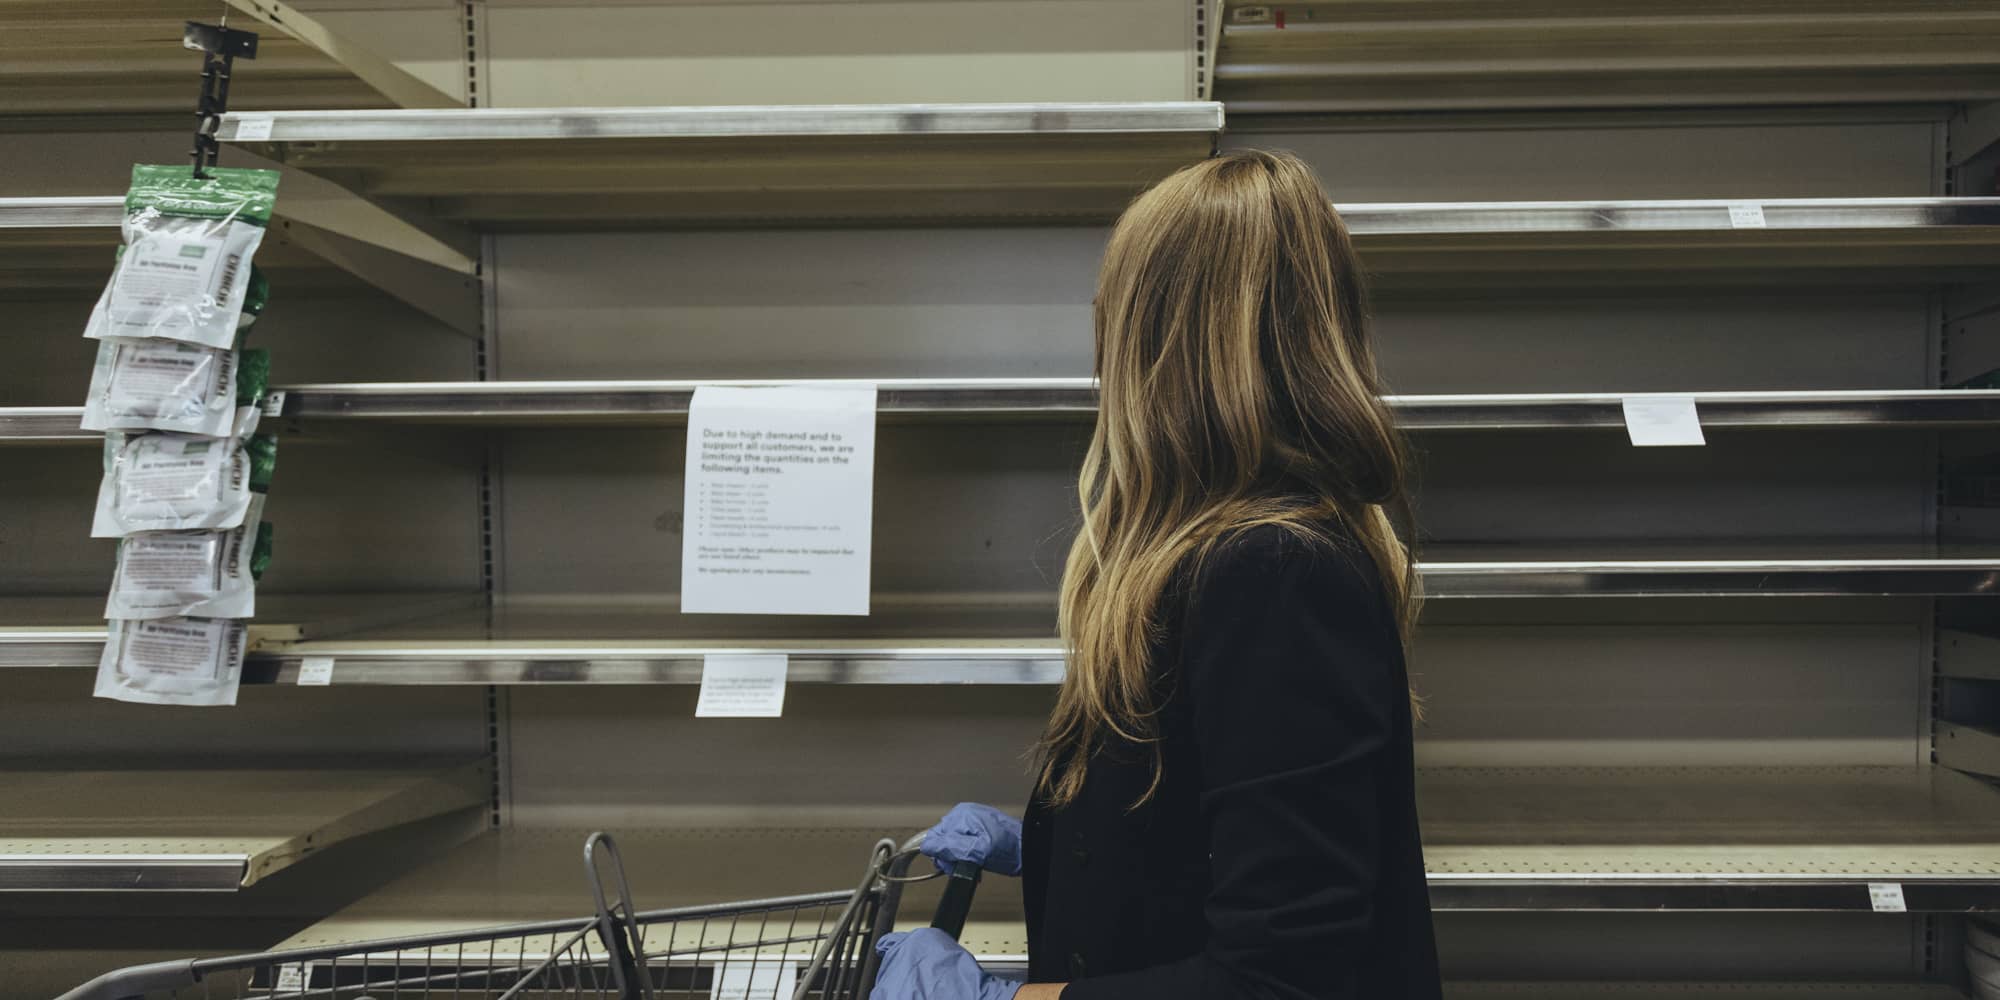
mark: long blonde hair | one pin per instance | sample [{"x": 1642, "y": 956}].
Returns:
[{"x": 1237, "y": 388}]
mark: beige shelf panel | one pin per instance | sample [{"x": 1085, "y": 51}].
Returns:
[{"x": 204, "y": 829}]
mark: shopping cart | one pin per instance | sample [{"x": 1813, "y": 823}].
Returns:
[{"x": 813, "y": 947}]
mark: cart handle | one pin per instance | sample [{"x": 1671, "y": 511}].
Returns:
[
  {"x": 956, "y": 903},
  {"x": 137, "y": 981}
]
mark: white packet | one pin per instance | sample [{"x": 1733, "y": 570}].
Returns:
[
  {"x": 184, "y": 270},
  {"x": 173, "y": 661},
  {"x": 162, "y": 385},
  {"x": 201, "y": 574},
  {"x": 175, "y": 482}
]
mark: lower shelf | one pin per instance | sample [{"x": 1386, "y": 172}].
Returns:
[
  {"x": 203, "y": 830},
  {"x": 1576, "y": 839},
  {"x": 1690, "y": 991}
]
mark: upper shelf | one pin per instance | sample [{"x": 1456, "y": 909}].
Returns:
[
  {"x": 67, "y": 243},
  {"x": 203, "y": 830},
  {"x": 64, "y": 57},
  {"x": 540, "y": 403},
  {"x": 591, "y": 168},
  {"x": 1448, "y": 55},
  {"x": 69, "y": 632}
]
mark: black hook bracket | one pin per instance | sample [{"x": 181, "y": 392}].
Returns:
[{"x": 220, "y": 47}]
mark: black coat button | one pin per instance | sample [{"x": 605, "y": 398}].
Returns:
[
  {"x": 1082, "y": 856},
  {"x": 1077, "y": 968}
]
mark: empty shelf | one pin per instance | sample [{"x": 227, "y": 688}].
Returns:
[
  {"x": 69, "y": 631},
  {"x": 1700, "y": 991},
  {"x": 640, "y": 402},
  {"x": 1439, "y": 55},
  {"x": 126, "y": 59},
  {"x": 543, "y": 403},
  {"x": 31, "y": 424},
  {"x": 1706, "y": 569},
  {"x": 217, "y": 830},
  {"x": 1779, "y": 838},
  {"x": 583, "y": 168},
  {"x": 1584, "y": 839}
]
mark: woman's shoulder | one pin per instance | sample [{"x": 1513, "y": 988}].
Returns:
[{"x": 1325, "y": 553}]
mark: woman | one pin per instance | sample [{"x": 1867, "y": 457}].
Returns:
[{"x": 1226, "y": 805}]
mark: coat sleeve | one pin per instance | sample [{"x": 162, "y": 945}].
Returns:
[{"x": 1295, "y": 676}]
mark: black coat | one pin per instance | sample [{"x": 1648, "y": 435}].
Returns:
[{"x": 1279, "y": 858}]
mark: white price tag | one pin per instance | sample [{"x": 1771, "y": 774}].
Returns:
[
  {"x": 742, "y": 686},
  {"x": 253, "y": 128},
  {"x": 291, "y": 979},
  {"x": 316, "y": 671},
  {"x": 1662, "y": 421},
  {"x": 750, "y": 979},
  {"x": 273, "y": 405},
  {"x": 1887, "y": 897},
  {"x": 1746, "y": 215}
]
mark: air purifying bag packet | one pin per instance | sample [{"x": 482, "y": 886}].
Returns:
[
  {"x": 184, "y": 270},
  {"x": 199, "y": 574},
  {"x": 166, "y": 385},
  {"x": 173, "y": 661},
  {"x": 159, "y": 481}
]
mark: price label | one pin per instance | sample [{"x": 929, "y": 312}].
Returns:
[
  {"x": 1746, "y": 215},
  {"x": 253, "y": 128},
  {"x": 273, "y": 405},
  {"x": 1662, "y": 421},
  {"x": 1887, "y": 897},
  {"x": 291, "y": 979},
  {"x": 742, "y": 686},
  {"x": 316, "y": 671}
]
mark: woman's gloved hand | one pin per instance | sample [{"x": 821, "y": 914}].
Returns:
[
  {"x": 929, "y": 965},
  {"x": 979, "y": 834}
]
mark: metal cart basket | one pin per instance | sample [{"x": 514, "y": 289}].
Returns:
[{"x": 811, "y": 947}]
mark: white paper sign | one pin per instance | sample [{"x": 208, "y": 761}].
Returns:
[
  {"x": 779, "y": 502},
  {"x": 742, "y": 685},
  {"x": 291, "y": 979},
  {"x": 1747, "y": 215},
  {"x": 1662, "y": 421},
  {"x": 751, "y": 979},
  {"x": 1887, "y": 897},
  {"x": 316, "y": 671},
  {"x": 253, "y": 129}
]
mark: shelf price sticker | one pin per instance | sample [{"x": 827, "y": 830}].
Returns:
[
  {"x": 742, "y": 686},
  {"x": 1746, "y": 215},
  {"x": 316, "y": 671},
  {"x": 1662, "y": 421},
  {"x": 1887, "y": 897},
  {"x": 291, "y": 979},
  {"x": 749, "y": 979},
  {"x": 253, "y": 128}
]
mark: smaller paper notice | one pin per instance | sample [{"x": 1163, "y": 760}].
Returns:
[
  {"x": 316, "y": 671},
  {"x": 1887, "y": 897},
  {"x": 1662, "y": 421},
  {"x": 770, "y": 979},
  {"x": 291, "y": 979},
  {"x": 1749, "y": 215},
  {"x": 742, "y": 686},
  {"x": 253, "y": 129}
]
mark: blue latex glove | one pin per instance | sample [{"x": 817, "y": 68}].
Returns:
[
  {"x": 929, "y": 965},
  {"x": 980, "y": 834}
]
